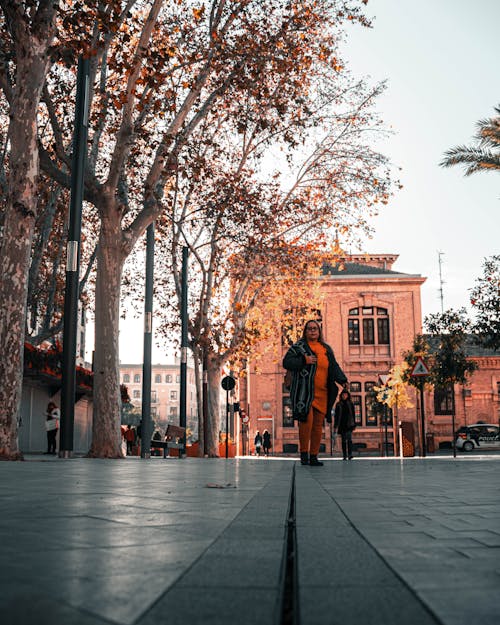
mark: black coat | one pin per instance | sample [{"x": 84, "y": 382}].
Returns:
[
  {"x": 344, "y": 416},
  {"x": 302, "y": 390}
]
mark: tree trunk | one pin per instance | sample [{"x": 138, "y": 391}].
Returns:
[
  {"x": 213, "y": 424},
  {"x": 14, "y": 263},
  {"x": 106, "y": 433},
  {"x": 17, "y": 237},
  {"x": 199, "y": 399}
]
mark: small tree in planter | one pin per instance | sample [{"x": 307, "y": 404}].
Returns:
[{"x": 394, "y": 393}]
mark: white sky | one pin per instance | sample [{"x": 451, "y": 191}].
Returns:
[
  {"x": 441, "y": 62},
  {"x": 440, "y": 58}
]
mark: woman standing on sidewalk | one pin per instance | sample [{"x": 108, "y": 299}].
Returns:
[
  {"x": 315, "y": 374},
  {"x": 257, "y": 441},
  {"x": 266, "y": 442},
  {"x": 345, "y": 422},
  {"x": 52, "y": 417}
]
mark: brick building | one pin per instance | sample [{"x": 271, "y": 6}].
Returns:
[
  {"x": 478, "y": 400},
  {"x": 370, "y": 316},
  {"x": 165, "y": 393}
]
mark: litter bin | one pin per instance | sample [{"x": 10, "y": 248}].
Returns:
[{"x": 429, "y": 443}]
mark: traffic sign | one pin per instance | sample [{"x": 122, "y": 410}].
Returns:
[
  {"x": 228, "y": 383},
  {"x": 419, "y": 368}
]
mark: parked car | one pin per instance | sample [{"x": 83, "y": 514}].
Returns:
[{"x": 478, "y": 435}]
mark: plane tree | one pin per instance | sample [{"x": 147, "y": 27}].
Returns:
[
  {"x": 155, "y": 79},
  {"x": 29, "y": 46},
  {"x": 257, "y": 242}
]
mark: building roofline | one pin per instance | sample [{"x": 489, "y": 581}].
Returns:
[{"x": 386, "y": 277}]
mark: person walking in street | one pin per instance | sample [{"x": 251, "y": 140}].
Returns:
[
  {"x": 315, "y": 375},
  {"x": 345, "y": 422},
  {"x": 266, "y": 442},
  {"x": 52, "y": 417},
  {"x": 257, "y": 441}
]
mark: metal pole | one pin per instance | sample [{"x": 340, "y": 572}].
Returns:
[
  {"x": 386, "y": 432},
  {"x": 422, "y": 415},
  {"x": 205, "y": 403},
  {"x": 272, "y": 453},
  {"x": 454, "y": 443},
  {"x": 227, "y": 423},
  {"x": 231, "y": 417},
  {"x": 79, "y": 157},
  {"x": 184, "y": 340},
  {"x": 395, "y": 437},
  {"x": 148, "y": 335}
]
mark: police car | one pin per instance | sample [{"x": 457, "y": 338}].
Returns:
[{"x": 478, "y": 436}]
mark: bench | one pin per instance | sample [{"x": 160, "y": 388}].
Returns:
[{"x": 173, "y": 439}]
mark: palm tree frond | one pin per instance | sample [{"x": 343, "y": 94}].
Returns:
[
  {"x": 485, "y": 155},
  {"x": 476, "y": 158}
]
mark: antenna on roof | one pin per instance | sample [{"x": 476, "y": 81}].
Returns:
[{"x": 441, "y": 281}]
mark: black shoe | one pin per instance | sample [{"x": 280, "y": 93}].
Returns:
[
  {"x": 314, "y": 462},
  {"x": 304, "y": 457},
  {"x": 344, "y": 458},
  {"x": 350, "y": 457}
]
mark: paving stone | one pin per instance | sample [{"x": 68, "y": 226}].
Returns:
[{"x": 379, "y": 541}]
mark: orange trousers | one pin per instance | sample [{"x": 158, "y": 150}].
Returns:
[{"x": 310, "y": 431}]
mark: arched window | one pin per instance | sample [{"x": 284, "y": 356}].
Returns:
[
  {"x": 157, "y": 378},
  {"x": 126, "y": 378}
]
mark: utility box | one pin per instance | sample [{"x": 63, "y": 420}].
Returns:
[{"x": 408, "y": 438}]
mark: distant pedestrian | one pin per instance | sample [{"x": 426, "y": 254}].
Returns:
[
  {"x": 129, "y": 439},
  {"x": 345, "y": 422},
  {"x": 266, "y": 442},
  {"x": 257, "y": 441},
  {"x": 315, "y": 374},
  {"x": 52, "y": 418}
]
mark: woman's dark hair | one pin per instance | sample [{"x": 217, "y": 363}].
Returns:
[
  {"x": 320, "y": 338},
  {"x": 344, "y": 390}
]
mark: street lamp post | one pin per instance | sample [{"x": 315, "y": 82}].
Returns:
[
  {"x": 184, "y": 341},
  {"x": 146, "y": 433},
  {"x": 79, "y": 158}
]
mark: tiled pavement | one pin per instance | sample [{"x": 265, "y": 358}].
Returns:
[{"x": 193, "y": 541}]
